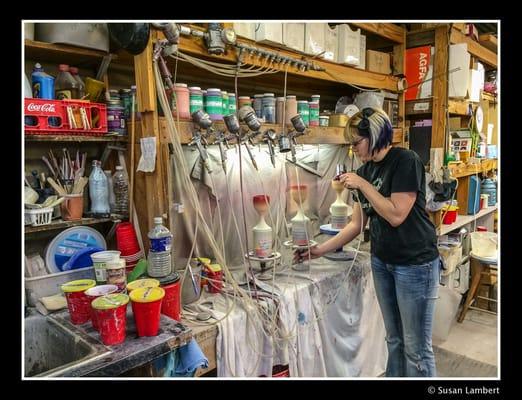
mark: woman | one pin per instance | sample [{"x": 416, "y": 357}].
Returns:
[{"x": 389, "y": 188}]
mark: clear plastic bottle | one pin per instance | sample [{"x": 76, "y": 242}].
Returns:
[
  {"x": 98, "y": 191},
  {"x": 65, "y": 86},
  {"x": 160, "y": 258},
  {"x": 108, "y": 174},
  {"x": 120, "y": 186},
  {"x": 81, "y": 85}
]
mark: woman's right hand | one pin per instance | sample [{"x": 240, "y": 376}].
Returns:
[{"x": 305, "y": 254}]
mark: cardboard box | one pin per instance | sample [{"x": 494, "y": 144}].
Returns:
[
  {"x": 377, "y": 61},
  {"x": 314, "y": 38},
  {"x": 269, "y": 33},
  {"x": 362, "y": 53},
  {"x": 294, "y": 36},
  {"x": 330, "y": 43},
  {"x": 419, "y": 71},
  {"x": 349, "y": 50},
  {"x": 459, "y": 75},
  {"x": 476, "y": 82},
  {"x": 247, "y": 30}
]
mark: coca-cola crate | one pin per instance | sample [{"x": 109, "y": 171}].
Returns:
[{"x": 64, "y": 117}]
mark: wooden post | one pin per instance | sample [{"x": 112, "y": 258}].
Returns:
[
  {"x": 399, "y": 68},
  {"x": 151, "y": 203},
  {"x": 440, "y": 87}
]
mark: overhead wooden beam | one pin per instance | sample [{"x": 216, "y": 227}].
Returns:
[
  {"x": 392, "y": 32},
  {"x": 334, "y": 72},
  {"x": 489, "y": 41},
  {"x": 484, "y": 55}
]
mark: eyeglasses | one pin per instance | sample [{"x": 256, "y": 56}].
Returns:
[{"x": 356, "y": 143}]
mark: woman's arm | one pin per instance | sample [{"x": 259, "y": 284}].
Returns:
[
  {"x": 393, "y": 209},
  {"x": 347, "y": 234}
]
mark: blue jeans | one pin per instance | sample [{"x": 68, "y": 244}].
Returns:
[{"x": 406, "y": 295}]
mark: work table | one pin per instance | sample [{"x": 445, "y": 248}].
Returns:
[{"x": 133, "y": 352}]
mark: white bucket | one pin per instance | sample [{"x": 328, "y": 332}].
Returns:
[
  {"x": 100, "y": 260},
  {"x": 484, "y": 244}
]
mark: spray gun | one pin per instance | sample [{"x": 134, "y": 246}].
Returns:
[
  {"x": 269, "y": 136},
  {"x": 287, "y": 142},
  {"x": 202, "y": 121},
  {"x": 171, "y": 32},
  {"x": 233, "y": 127}
]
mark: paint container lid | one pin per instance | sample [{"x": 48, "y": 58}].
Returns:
[
  {"x": 316, "y": 96},
  {"x": 244, "y": 97},
  {"x": 291, "y": 97},
  {"x": 268, "y": 95},
  {"x": 147, "y": 295},
  {"x": 214, "y": 267},
  {"x": 109, "y": 301},
  {"x": 314, "y": 104},
  {"x": 180, "y": 85},
  {"x": 79, "y": 285},
  {"x": 101, "y": 290},
  {"x": 194, "y": 88},
  {"x": 258, "y": 95},
  {"x": 203, "y": 260},
  {"x": 302, "y": 101},
  {"x": 167, "y": 280},
  {"x": 116, "y": 263},
  {"x": 142, "y": 283},
  {"x": 280, "y": 99},
  {"x": 213, "y": 90}
]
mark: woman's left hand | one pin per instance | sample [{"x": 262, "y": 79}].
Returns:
[{"x": 351, "y": 180}]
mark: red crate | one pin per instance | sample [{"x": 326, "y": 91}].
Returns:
[{"x": 50, "y": 117}]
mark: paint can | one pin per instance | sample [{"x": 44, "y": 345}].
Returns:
[
  {"x": 181, "y": 101},
  {"x": 314, "y": 113},
  {"x": 290, "y": 109},
  {"x": 116, "y": 117},
  {"x": 269, "y": 108},
  {"x": 214, "y": 104},
  {"x": 258, "y": 105},
  {"x": 280, "y": 108},
  {"x": 232, "y": 106},
  {"x": 303, "y": 109},
  {"x": 324, "y": 120},
  {"x": 196, "y": 99},
  {"x": 116, "y": 273},
  {"x": 244, "y": 101},
  {"x": 224, "y": 103},
  {"x": 100, "y": 260}
]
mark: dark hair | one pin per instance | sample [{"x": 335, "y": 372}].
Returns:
[{"x": 374, "y": 124}]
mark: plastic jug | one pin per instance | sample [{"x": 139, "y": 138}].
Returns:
[{"x": 42, "y": 83}]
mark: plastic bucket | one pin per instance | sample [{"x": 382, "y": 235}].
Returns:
[
  {"x": 78, "y": 303},
  {"x": 111, "y": 314},
  {"x": 171, "y": 304},
  {"x": 450, "y": 215},
  {"x": 95, "y": 292},
  {"x": 484, "y": 244},
  {"x": 146, "y": 307},
  {"x": 190, "y": 292}
]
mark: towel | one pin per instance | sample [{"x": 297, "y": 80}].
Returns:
[{"x": 182, "y": 362}]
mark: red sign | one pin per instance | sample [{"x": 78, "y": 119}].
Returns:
[{"x": 417, "y": 67}]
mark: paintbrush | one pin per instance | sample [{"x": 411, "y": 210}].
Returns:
[{"x": 56, "y": 187}]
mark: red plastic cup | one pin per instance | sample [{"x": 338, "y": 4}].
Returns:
[
  {"x": 95, "y": 292},
  {"x": 171, "y": 304},
  {"x": 111, "y": 314},
  {"x": 126, "y": 239},
  {"x": 78, "y": 303},
  {"x": 146, "y": 307}
]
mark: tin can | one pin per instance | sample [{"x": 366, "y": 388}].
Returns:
[
  {"x": 314, "y": 113},
  {"x": 303, "y": 109},
  {"x": 214, "y": 104},
  {"x": 116, "y": 273},
  {"x": 224, "y": 102},
  {"x": 196, "y": 99}
]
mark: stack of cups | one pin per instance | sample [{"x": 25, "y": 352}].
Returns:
[
  {"x": 78, "y": 303},
  {"x": 95, "y": 292},
  {"x": 111, "y": 315},
  {"x": 127, "y": 243},
  {"x": 146, "y": 307}
]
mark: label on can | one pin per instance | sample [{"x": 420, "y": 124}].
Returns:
[
  {"x": 101, "y": 273},
  {"x": 339, "y": 221},
  {"x": 214, "y": 106},
  {"x": 161, "y": 244},
  {"x": 299, "y": 235},
  {"x": 196, "y": 103},
  {"x": 116, "y": 276}
]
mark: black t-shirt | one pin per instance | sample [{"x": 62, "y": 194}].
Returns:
[{"x": 414, "y": 241}]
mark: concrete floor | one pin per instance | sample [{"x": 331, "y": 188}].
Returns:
[{"x": 471, "y": 347}]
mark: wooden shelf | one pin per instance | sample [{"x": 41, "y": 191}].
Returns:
[
  {"x": 314, "y": 135},
  {"x": 465, "y": 219},
  {"x": 489, "y": 41},
  {"x": 473, "y": 169},
  {"x": 59, "y": 224},
  {"x": 78, "y": 139},
  {"x": 425, "y": 106},
  {"x": 391, "y": 32},
  {"x": 337, "y": 73}
]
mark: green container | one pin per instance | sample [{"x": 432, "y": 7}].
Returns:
[
  {"x": 314, "y": 113},
  {"x": 196, "y": 99},
  {"x": 224, "y": 103},
  {"x": 232, "y": 107},
  {"x": 303, "y": 109},
  {"x": 214, "y": 104}
]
